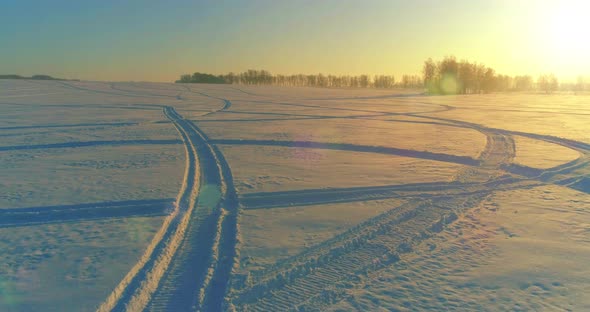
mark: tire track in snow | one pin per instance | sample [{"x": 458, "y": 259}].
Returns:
[
  {"x": 464, "y": 160},
  {"x": 226, "y": 103},
  {"x": 13, "y": 217},
  {"x": 311, "y": 279},
  {"x": 187, "y": 265},
  {"x": 561, "y": 174},
  {"x": 138, "y": 93},
  {"x": 314, "y": 197},
  {"x": 81, "y": 125},
  {"x": 196, "y": 278},
  {"x": 87, "y": 144},
  {"x": 134, "y": 291}
]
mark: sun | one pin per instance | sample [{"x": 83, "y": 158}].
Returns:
[{"x": 569, "y": 27}]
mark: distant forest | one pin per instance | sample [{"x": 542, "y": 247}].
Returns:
[
  {"x": 447, "y": 76},
  {"x": 450, "y": 76},
  {"x": 34, "y": 77},
  {"x": 263, "y": 77}
]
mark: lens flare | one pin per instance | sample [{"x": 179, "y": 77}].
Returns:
[
  {"x": 449, "y": 84},
  {"x": 8, "y": 296}
]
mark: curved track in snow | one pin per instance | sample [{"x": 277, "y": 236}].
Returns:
[
  {"x": 191, "y": 264},
  {"x": 187, "y": 265}
]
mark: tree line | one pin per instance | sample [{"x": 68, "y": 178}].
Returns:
[
  {"x": 450, "y": 76},
  {"x": 581, "y": 85},
  {"x": 34, "y": 77},
  {"x": 264, "y": 77},
  {"x": 447, "y": 76}
]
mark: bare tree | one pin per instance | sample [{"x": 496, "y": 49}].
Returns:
[
  {"x": 547, "y": 83},
  {"x": 429, "y": 73},
  {"x": 580, "y": 84}
]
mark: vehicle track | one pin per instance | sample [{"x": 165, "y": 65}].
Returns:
[
  {"x": 80, "y": 125},
  {"x": 464, "y": 160},
  {"x": 198, "y": 274},
  {"x": 88, "y": 144},
  {"x": 572, "y": 170},
  {"x": 265, "y": 200},
  {"x": 315, "y": 275},
  {"x": 72, "y": 86},
  {"x": 12, "y": 217},
  {"x": 135, "y": 289},
  {"x": 346, "y": 258},
  {"x": 311, "y": 278},
  {"x": 187, "y": 264},
  {"x": 138, "y": 93},
  {"x": 226, "y": 103},
  {"x": 346, "y": 195}
]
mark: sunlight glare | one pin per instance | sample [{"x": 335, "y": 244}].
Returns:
[{"x": 569, "y": 25}]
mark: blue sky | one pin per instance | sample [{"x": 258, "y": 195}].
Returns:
[{"x": 159, "y": 40}]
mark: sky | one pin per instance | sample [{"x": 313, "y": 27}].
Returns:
[{"x": 149, "y": 40}]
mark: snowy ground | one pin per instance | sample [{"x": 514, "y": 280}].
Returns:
[{"x": 176, "y": 197}]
